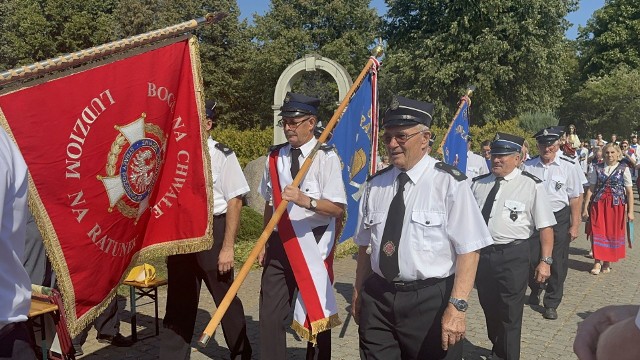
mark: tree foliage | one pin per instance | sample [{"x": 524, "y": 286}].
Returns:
[
  {"x": 610, "y": 38},
  {"x": 340, "y": 30},
  {"x": 607, "y": 104},
  {"x": 514, "y": 51}
]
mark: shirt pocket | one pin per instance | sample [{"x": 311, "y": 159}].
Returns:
[
  {"x": 513, "y": 211},
  {"x": 426, "y": 230},
  {"x": 374, "y": 222},
  {"x": 558, "y": 182}
]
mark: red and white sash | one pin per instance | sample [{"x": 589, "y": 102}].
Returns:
[{"x": 312, "y": 263}]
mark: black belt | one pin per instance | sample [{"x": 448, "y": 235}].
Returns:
[
  {"x": 410, "y": 285},
  {"x": 220, "y": 216},
  {"x": 502, "y": 246}
]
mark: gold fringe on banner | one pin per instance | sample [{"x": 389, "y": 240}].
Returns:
[{"x": 317, "y": 327}]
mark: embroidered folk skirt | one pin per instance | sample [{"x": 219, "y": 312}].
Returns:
[{"x": 608, "y": 228}]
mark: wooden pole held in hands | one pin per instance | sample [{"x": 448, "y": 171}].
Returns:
[{"x": 253, "y": 255}]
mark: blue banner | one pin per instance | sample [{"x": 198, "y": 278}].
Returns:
[
  {"x": 352, "y": 138},
  {"x": 454, "y": 148}
]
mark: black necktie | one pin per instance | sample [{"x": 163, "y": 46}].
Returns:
[
  {"x": 392, "y": 232},
  {"x": 295, "y": 161},
  {"x": 491, "y": 198}
]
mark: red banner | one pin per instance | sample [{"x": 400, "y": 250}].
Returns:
[{"x": 115, "y": 155}]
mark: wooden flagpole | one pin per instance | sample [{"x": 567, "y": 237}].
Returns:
[
  {"x": 275, "y": 218},
  {"x": 96, "y": 52}
]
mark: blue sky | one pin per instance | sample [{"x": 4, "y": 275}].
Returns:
[{"x": 580, "y": 17}]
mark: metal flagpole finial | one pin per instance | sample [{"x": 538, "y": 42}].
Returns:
[
  {"x": 470, "y": 89},
  {"x": 377, "y": 48}
]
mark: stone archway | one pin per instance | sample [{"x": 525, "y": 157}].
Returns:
[{"x": 293, "y": 72}]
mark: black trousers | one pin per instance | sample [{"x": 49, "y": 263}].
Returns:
[
  {"x": 501, "y": 281},
  {"x": 106, "y": 324},
  {"x": 554, "y": 289},
  {"x": 186, "y": 273},
  {"x": 404, "y": 324},
  {"x": 16, "y": 342},
  {"x": 278, "y": 286}
]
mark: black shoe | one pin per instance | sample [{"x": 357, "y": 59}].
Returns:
[
  {"x": 550, "y": 314},
  {"x": 115, "y": 340},
  {"x": 534, "y": 299},
  {"x": 78, "y": 350}
]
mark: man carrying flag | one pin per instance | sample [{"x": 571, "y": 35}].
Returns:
[
  {"x": 299, "y": 253},
  {"x": 454, "y": 146}
]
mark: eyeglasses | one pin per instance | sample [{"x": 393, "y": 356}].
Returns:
[
  {"x": 401, "y": 138},
  {"x": 291, "y": 124}
]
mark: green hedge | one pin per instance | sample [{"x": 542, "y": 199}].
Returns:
[{"x": 247, "y": 144}]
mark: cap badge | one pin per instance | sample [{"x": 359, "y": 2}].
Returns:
[
  {"x": 545, "y": 132},
  {"x": 497, "y": 137},
  {"x": 287, "y": 99}
]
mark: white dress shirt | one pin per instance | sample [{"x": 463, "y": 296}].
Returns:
[
  {"x": 15, "y": 285},
  {"x": 476, "y": 166},
  {"x": 521, "y": 206},
  {"x": 228, "y": 179},
  {"x": 441, "y": 221},
  {"x": 322, "y": 181},
  {"x": 561, "y": 177}
]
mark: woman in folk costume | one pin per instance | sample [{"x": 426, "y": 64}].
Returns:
[{"x": 611, "y": 206}]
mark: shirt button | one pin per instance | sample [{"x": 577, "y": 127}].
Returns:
[
  {"x": 306, "y": 190},
  {"x": 370, "y": 221},
  {"x": 427, "y": 222}
]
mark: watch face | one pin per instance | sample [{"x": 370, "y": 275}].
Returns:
[{"x": 462, "y": 305}]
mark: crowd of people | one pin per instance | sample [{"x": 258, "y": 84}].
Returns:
[{"x": 416, "y": 266}]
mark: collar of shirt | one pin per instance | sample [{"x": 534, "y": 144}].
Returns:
[
  {"x": 512, "y": 175},
  {"x": 307, "y": 147},
  {"x": 555, "y": 161},
  {"x": 416, "y": 171}
]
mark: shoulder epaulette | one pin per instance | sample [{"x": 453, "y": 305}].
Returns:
[
  {"x": 224, "y": 148},
  {"x": 531, "y": 176},
  {"x": 565, "y": 159},
  {"x": 327, "y": 147},
  {"x": 457, "y": 174},
  {"x": 569, "y": 156},
  {"x": 277, "y": 147},
  {"x": 480, "y": 177},
  {"x": 379, "y": 172}
]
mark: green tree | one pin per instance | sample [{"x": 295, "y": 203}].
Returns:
[
  {"x": 514, "y": 51},
  {"x": 610, "y": 38},
  {"x": 340, "y": 30},
  {"x": 607, "y": 104}
]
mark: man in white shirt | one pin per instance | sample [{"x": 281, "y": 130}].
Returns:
[
  {"x": 15, "y": 285},
  {"x": 425, "y": 232},
  {"x": 213, "y": 266},
  {"x": 476, "y": 164},
  {"x": 304, "y": 238},
  {"x": 514, "y": 204},
  {"x": 562, "y": 179}
]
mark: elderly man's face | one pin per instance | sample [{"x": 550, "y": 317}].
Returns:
[
  {"x": 298, "y": 130},
  {"x": 406, "y": 145},
  {"x": 503, "y": 164}
]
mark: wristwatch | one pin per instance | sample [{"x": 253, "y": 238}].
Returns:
[
  {"x": 313, "y": 204},
  {"x": 547, "y": 259},
  {"x": 459, "y": 304}
]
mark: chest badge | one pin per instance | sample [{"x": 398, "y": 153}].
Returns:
[
  {"x": 389, "y": 248},
  {"x": 559, "y": 185},
  {"x": 513, "y": 215}
]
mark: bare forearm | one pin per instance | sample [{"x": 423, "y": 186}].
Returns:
[
  {"x": 363, "y": 269},
  {"x": 575, "y": 204},
  {"x": 587, "y": 199},
  {"x": 232, "y": 223},
  {"x": 630, "y": 199},
  {"x": 546, "y": 241},
  {"x": 466, "y": 267}
]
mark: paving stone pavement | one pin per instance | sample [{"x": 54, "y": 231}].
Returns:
[{"x": 541, "y": 339}]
